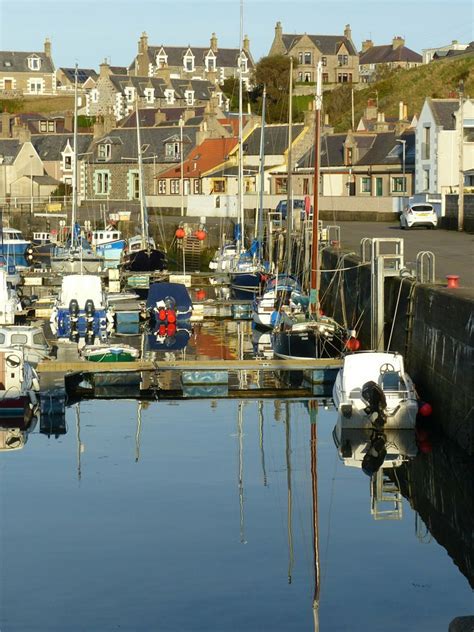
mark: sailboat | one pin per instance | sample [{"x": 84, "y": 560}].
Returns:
[
  {"x": 141, "y": 253},
  {"x": 310, "y": 335},
  {"x": 76, "y": 255}
]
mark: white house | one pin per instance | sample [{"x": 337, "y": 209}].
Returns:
[{"x": 439, "y": 147}]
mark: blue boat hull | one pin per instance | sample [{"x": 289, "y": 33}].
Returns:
[{"x": 14, "y": 253}]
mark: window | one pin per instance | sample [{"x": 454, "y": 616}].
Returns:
[
  {"x": 43, "y": 126},
  {"x": 243, "y": 63},
  {"x": 172, "y": 150},
  {"x": 134, "y": 185},
  {"x": 425, "y": 147},
  {"x": 95, "y": 96},
  {"x": 324, "y": 61},
  {"x": 162, "y": 187},
  {"x": 161, "y": 59},
  {"x": 398, "y": 184},
  {"x": 196, "y": 186},
  {"x": 51, "y": 126},
  {"x": 35, "y": 86},
  {"x": 39, "y": 339},
  {"x": 280, "y": 185},
  {"x": 426, "y": 179},
  {"x": 169, "y": 95},
  {"x": 34, "y": 63},
  {"x": 344, "y": 77},
  {"x": 365, "y": 185},
  {"x": 210, "y": 63},
  {"x": 174, "y": 187},
  {"x": 218, "y": 186},
  {"x": 19, "y": 339},
  {"x": 468, "y": 134},
  {"x": 102, "y": 182},
  {"x": 300, "y": 76},
  {"x": 325, "y": 77},
  {"x": 2, "y": 339},
  {"x": 67, "y": 162},
  {"x": 300, "y": 58},
  {"x": 130, "y": 94},
  {"x": 342, "y": 60},
  {"x": 305, "y": 186},
  {"x": 308, "y": 77},
  {"x": 307, "y": 58},
  {"x": 149, "y": 95},
  {"x": 189, "y": 96},
  {"x": 188, "y": 62},
  {"x": 104, "y": 151}
]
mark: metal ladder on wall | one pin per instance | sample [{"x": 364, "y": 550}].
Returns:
[
  {"x": 386, "y": 498},
  {"x": 425, "y": 273}
]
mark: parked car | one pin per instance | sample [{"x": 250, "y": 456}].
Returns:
[
  {"x": 298, "y": 206},
  {"x": 421, "y": 214}
]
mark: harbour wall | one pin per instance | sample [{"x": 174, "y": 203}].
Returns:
[{"x": 431, "y": 325}]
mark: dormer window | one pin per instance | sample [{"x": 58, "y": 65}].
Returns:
[
  {"x": 34, "y": 63},
  {"x": 161, "y": 59},
  {"x": 189, "y": 96},
  {"x": 130, "y": 94},
  {"x": 169, "y": 95},
  {"x": 210, "y": 62},
  {"x": 243, "y": 63},
  {"x": 188, "y": 62},
  {"x": 104, "y": 151},
  {"x": 149, "y": 95},
  {"x": 172, "y": 150}
]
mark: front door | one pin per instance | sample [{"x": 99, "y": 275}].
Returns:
[
  {"x": 8, "y": 84},
  {"x": 378, "y": 186}
]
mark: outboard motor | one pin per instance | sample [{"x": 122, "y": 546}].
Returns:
[
  {"x": 74, "y": 335},
  {"x": 89, "y": 337},
  {"x": 89, "y": 309},
  {"x": 376, "y": 402},
  {"x": 74, "y": 309},
  {"x": 375, "y": 455}
]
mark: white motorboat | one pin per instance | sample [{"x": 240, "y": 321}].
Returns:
[
  {"x": 19, "y": 385},
  {"x": 10, "y": 302},
  {"x": 29, "y": 338},
  {"x": 372, "y": 389},
  {"x": 81, "y": 309},
  {"x": 282, "y": 289}
]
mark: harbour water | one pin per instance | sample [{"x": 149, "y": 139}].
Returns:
[{"x": 202, "y": 515}]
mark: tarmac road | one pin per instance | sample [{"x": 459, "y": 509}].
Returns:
[{"x": 453, "y": 250}]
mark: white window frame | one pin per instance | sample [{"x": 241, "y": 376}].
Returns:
[
  {"x": 169, "y": 96},
  {"x": 95, "y": 95},
  {"x": 104, "y": 151},
  {"x": 172, "y": 150},
  {"x": 134, "y": 184},
  {"x": 34, "y": 63},
  {"x": 162, "y": 187},
  {"x": 161, "y": 59},
  {"x": 210, "y": 62},
  {"x": 189, "y": 96},
  {"x": 129, "y": 94},
  {"x": 393, "y": 183},
  {"x": 189, "y": 57},
  {"x": 243, "y": 63},
  {"x": 364, "y": 181},
  {"x": 43, "y": 126},
  {"x": 102, "y": 182},
  {"x": 149, "y": 95},
  {"x": 174, "y": 186},
  {"x": 36, "y": 82}
]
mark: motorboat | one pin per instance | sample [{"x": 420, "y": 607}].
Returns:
[
  {"x": 224, "y": 259},
  {"x": 10, "y": 303},
  {"x": 13, "y": 247},
  {"x": 19, "y": 386},
  {"x": 141, "y": 255},
  {"x": 282, "y": 289},
  {"x": 76, "y": 257},
  {"x": 108, "y": 243},
  {"x": 169, "y": 337},
  {"x": 169, "y": 303},
  {"x": 372, "y": 389},
  {"x": 110, "y": 353},
  {"x": 81, "y": 309},
  {"x": 29, "y": 338}
]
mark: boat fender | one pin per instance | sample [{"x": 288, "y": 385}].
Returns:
[
  {"x": 171, "y": 330},
  {"x": 162, "y": 330},
  {"x": 425, "y": 409},
  {"x": 162, "y": 314},
  {"x": 171, "y": 316}
]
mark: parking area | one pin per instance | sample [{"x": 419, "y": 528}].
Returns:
[{"x": 454, "y": 251}]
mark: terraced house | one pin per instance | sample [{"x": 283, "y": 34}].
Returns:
[
  {"x": 337, "y": 53},
  {"x": 27, "y": 73},
  {"x": 190, "y": 62}
]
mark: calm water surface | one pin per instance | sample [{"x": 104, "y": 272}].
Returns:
[{"x": 198, "y": 515}]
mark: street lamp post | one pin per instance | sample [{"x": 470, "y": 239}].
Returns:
[
  {"x": 31, "y": 186},
  {"x": 403, "y": 142},
  {"x": 181, "y": 125}
]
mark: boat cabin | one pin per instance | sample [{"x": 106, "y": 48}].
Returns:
[
  {"x": 135, "y": 243},
  {"x": 30, "y": 339},
  {"x": 100, "y": 237}
]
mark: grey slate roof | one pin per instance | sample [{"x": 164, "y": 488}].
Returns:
[
  {"x": 120, "y": 82},
  {"x": 443, "y": 112},
  {"x": 124, "y": 143},
  {"x": 275, "y": 139},
  {"x": 225, "y": 57},
  {"x": 386, "y": 54},
  {"x": 386, "y": 151},
  {"x": 327, "y": 44},
  {"x": 147, "y": 116},
  {"x": 9, "y": 149},
  {"x": 45, "y": 180},
  {"x": 50, "y": 146},
  {"x": 13, "y": 61}
]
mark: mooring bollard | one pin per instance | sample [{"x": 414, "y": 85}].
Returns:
[{"x": 453, "y": 280}]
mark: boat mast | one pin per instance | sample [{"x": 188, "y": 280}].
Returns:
[
  {"x": 314, "y": 281},
  {"x": 259, "y": 216},
  {"x": 240, "y": 241},
  {"x": 289, "y": 193},
  {"x": 74, "y": 166},
  {"x": 313, "y": 411},
  {"x": 145, "y": 244}
]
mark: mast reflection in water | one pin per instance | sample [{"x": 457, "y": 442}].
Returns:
[{"x": 156, "y": 511}]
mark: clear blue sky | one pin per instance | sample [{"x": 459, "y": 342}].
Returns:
[{"x": 87, "y": 31}]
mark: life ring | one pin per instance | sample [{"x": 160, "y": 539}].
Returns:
[{"x": 13, "y": 361}]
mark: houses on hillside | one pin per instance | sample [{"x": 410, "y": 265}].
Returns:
[
  {"x": 337, "y": 53},
  {"x": 374, "y": 59},
  {"x": 27, "y": 73}
]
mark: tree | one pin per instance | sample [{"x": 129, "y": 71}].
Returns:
[
  {"x": 230, "y": 88},
  {"x": 273, "y": 72}
]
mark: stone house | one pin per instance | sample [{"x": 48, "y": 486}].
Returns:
[
  {"x": 65, "y": 79},
  {"x": 117, "y": 93},
  {"x": 395, "y": 55},
  {"x": 211, "y": 63},
  {"x": 428, "y": 54},
  {"x": 337, "y": 53},
  {"x": 440, "y": 140},
  {"x": 27, "y": 73}
]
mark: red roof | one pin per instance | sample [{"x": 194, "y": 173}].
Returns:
[{"x": 209, "y": 154}]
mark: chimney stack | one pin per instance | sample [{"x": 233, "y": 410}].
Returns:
[
  {"x": 366, "y": 44},
  {"x": 278, "y": 30},
  {"x": 214, "y": 43},
  {"x": 348, "y": 32},
  {"x": 398, "y": 42},
  {"x": 246, "y": 44},
  {"x": 104, "y": 69},
  {"x": 47, "y": 47}
]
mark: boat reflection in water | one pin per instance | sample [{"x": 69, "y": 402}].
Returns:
[
  {"x": 170, "y": 337},
  {"x": 377, "y": 453}
]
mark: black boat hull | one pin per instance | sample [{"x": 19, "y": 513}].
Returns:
[
  {"x": 145, "y": 261},
  {"x": 306, "y": 344}
]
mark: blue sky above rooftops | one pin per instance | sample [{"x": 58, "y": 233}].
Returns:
[{"x": 87, "y": 31}]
